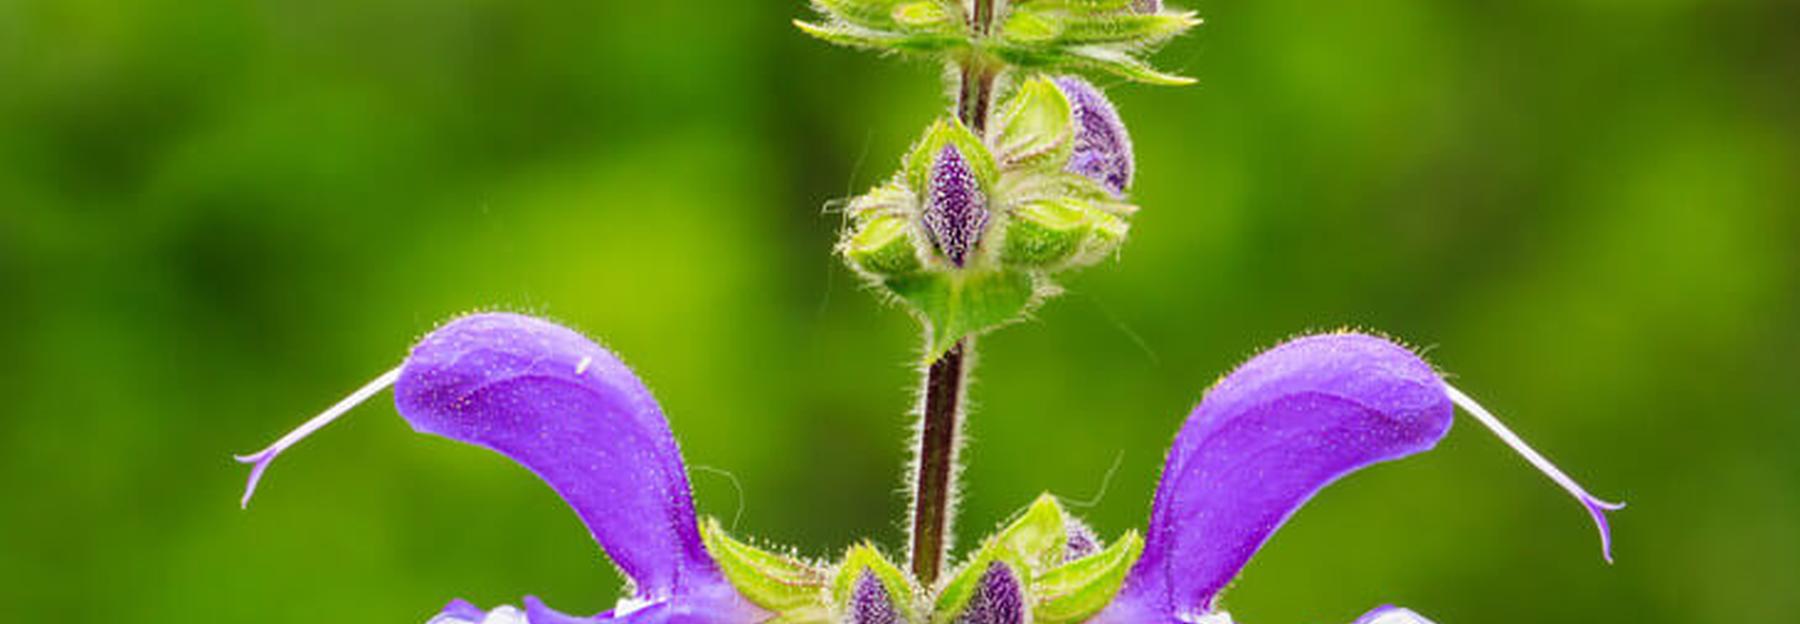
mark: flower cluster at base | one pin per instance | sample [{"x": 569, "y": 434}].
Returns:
[
  {"x": 969, "y": 231},
  {"x": 1263, "y": 440},
  {"x": 1044, "y": 35}
]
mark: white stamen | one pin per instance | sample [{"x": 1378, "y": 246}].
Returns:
[
  {"x": 261, "y": 459},
  {"x": 582, "y": 366},
  {"x": 1596, "y": 507}
]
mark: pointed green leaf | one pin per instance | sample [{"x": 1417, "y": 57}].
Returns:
[
  {"x": 774, "y": 582},
  {"x": 960, "y": 304},
  {"x": 1077, "y": 590}
]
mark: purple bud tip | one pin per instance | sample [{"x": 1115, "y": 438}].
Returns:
[
  {"x": 1102, "y": 146},
  {"x": 1082, "y": 541},
  {"x": 870, "y": 602},
  {"x": 955, "y": 211},
  {"x": 998, "y": 598},
  {"x": 1147, "y": 6}
]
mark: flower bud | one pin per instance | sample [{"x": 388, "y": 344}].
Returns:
[
  {"x": 1102, "y": 146},
  {"x": 998, "y": 599},
  {"x": 870, "y": 602},
  {"x": 956, "y": 211}
]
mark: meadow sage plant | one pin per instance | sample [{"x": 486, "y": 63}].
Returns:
[{"x": 1027, "y": 178}]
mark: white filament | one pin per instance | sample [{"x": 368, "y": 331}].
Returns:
[
  {"x": 260, "y": 459},
  {"x": 1596, "y": 507}
]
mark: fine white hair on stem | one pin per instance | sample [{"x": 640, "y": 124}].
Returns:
[
  {"x": 1595, "y": 507},
  {"x": 260, "y": 460}
]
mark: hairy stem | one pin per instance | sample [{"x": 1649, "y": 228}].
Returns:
[
  {"x": 944, "y": 379},
  {"x": 938, "y": 441}
]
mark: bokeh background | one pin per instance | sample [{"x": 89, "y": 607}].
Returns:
[{"x": 218, "y": 216}]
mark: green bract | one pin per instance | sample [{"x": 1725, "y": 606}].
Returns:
[
  {"x": 1041, "y": 35},
  {"x": 1042, "y": 219},
  {"x": 1058, "y": 585}
]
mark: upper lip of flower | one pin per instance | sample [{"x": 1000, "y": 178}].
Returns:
[
  {"x": 1263, "y": 440},
  {"x": 571, "y": 412},
  {"x": 1266, "y": 438}
]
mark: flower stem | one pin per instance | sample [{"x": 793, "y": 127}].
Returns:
[
  {"x": 939, "y": 435},
  {"x": 938, "y": 442}
]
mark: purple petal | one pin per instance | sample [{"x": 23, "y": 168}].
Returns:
[
  {"x": 956, "y": 212},
  {"x": 571, "y": 412},
  {"x": 1263, "y": 441},
  {"x": 1390, "y": 614},
  {"x": 1102, "y": 146}
]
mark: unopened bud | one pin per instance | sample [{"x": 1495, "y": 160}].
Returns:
[
  {"x": 956, "y": 212},
  {"x": 1102, "y": 146},
  {"x": 998, "y": 599}
]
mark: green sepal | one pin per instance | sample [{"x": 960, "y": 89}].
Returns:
[
  {"x": 866, "y": 557},
  {"x": 949, "y": 131},
  {"x": 924, "y": 15},
  {"x": 1036, "y": 127},
  {"x": 1135, "y": 29},
  {"x": 846, "y": 34},
  {"x": 1078, "y": 6},
  {"x": 874, "y": 14},
  {"x": 1123, "y": 64},
  {"x": 779, "y": 583},
  {"x": 1036, "y": 538},
  {"x": 960, "y": 304},
  {"x": 1077, "y": 590},
  {"x": 883, "y": 246},
  {"x": 1047, "y": 232},
  {"x": 961, "y": 588}
]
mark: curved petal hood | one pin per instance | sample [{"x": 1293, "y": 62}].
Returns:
[{"x": 1262, "y": 442}]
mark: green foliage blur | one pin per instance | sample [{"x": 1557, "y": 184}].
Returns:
[{"x": 217, "y": 217}]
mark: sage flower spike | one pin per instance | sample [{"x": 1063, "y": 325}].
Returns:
[
  {"x": 567, "y": 409},
  {"x": 1265, "y": 439}
]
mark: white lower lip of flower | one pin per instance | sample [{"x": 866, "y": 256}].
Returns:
[
  {"x": 1216, "y": 617},
  {"x": 500, "y": 615},
  {"x": 1400, "y": 616}
]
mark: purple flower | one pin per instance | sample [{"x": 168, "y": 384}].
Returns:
[
  {"x": 1102, "y": 146},
  {"x": 1264, "y": 440},
  {"x": 571, "y": 412},
  {"x": 956, "y": 212}
]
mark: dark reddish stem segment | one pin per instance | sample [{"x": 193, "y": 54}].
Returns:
[
  {"x": 944, "y": 380},
  {"x": 937, "y": 461}
]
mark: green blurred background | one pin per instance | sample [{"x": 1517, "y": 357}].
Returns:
[{"x": 217, "y": 217}]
